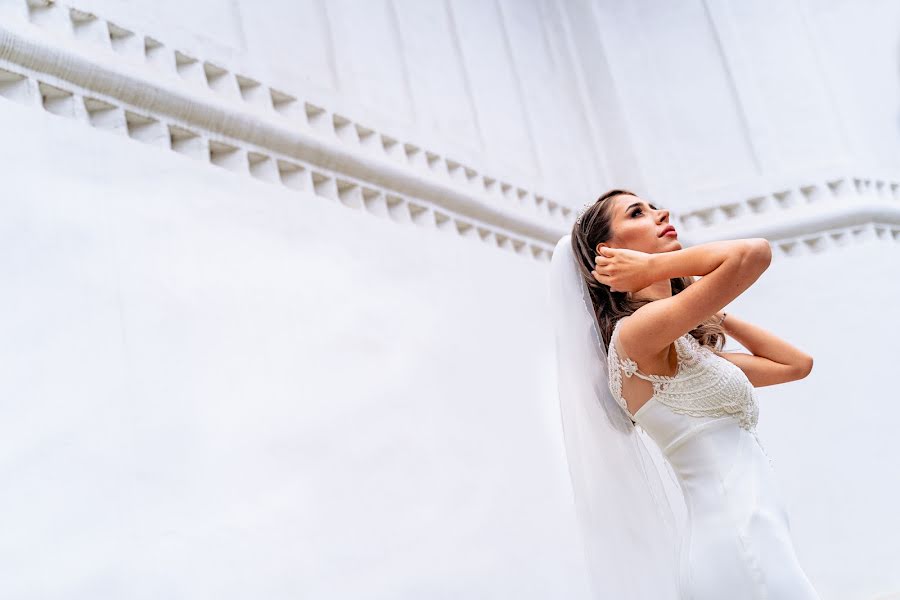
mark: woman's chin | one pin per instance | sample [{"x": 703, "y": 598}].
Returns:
[{"x": 671, "y": 246}]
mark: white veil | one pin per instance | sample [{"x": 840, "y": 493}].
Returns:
[{"x": 629, "y": 505}]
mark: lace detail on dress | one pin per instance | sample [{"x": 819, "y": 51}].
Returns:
[{"x": 705, "y": 385}]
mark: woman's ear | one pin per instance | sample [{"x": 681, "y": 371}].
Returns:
[{"x": 600, "y": 245}]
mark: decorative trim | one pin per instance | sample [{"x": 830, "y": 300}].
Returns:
[
  {"x": 77, "y": 65},
  {"x": 872, "y": 232},
  {"x": 813, "y": 217},
  {"x": 815, "y": 193},
  {"x": 74, "y": 64}
]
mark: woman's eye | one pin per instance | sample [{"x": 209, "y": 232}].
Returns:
[{"x": 636, "y": 212}]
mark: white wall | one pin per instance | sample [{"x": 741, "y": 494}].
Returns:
[
  {"x": 275, "y": 318},
  {"x": 214, "y": 387}
]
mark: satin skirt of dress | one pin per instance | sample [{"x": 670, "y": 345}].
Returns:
[{"x": 737, "y": 543}]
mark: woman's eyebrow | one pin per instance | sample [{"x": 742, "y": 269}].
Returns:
[{"x": 638, "y": 204}]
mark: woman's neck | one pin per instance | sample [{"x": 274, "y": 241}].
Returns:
[{"x": 655, "y": 291}]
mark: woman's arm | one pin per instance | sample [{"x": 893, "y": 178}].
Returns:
[
  {"x": 728, "y": 269},
  {"x": 630, "y": 270},
  {"x": 703, "y": 259},
  {"x": 772, "y": 359}
]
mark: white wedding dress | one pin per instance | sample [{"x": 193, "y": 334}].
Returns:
[{"x": 737, "y": 543}]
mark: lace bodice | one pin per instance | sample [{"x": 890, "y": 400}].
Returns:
[{"x": 705, "y": 385}]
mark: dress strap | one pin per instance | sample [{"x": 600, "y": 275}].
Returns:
[{"x": 630, "y": 367}]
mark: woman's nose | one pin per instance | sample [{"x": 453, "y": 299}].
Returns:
[{"x": 663, "y": 215}]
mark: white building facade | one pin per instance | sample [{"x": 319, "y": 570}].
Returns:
[{"x": 275, "y": 306}]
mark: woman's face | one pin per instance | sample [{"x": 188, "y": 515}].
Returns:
[{"x": 640, "y": 225}]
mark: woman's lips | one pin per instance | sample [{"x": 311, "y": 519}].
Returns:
[{"x": 671, "y": 233}]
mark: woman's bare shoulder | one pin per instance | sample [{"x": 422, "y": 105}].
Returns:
[{"x": 629, "y": 332}]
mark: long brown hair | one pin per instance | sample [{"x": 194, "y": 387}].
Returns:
[{"x": 595, "y": 226}]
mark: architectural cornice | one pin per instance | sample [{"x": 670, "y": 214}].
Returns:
[
  {"x": 807, "y": 218},
  {"x": 77, "y": 65}
]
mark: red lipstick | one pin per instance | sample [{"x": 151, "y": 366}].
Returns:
[{"x": 668, "y": 230}]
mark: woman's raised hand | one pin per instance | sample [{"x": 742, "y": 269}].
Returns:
[{"x": 623, "y": 270}]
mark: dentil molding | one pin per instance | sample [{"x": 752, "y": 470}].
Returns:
[{"x": 77, "y": 65}]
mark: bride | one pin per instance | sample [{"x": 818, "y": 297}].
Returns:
[{"x": 675, "y": 495}]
